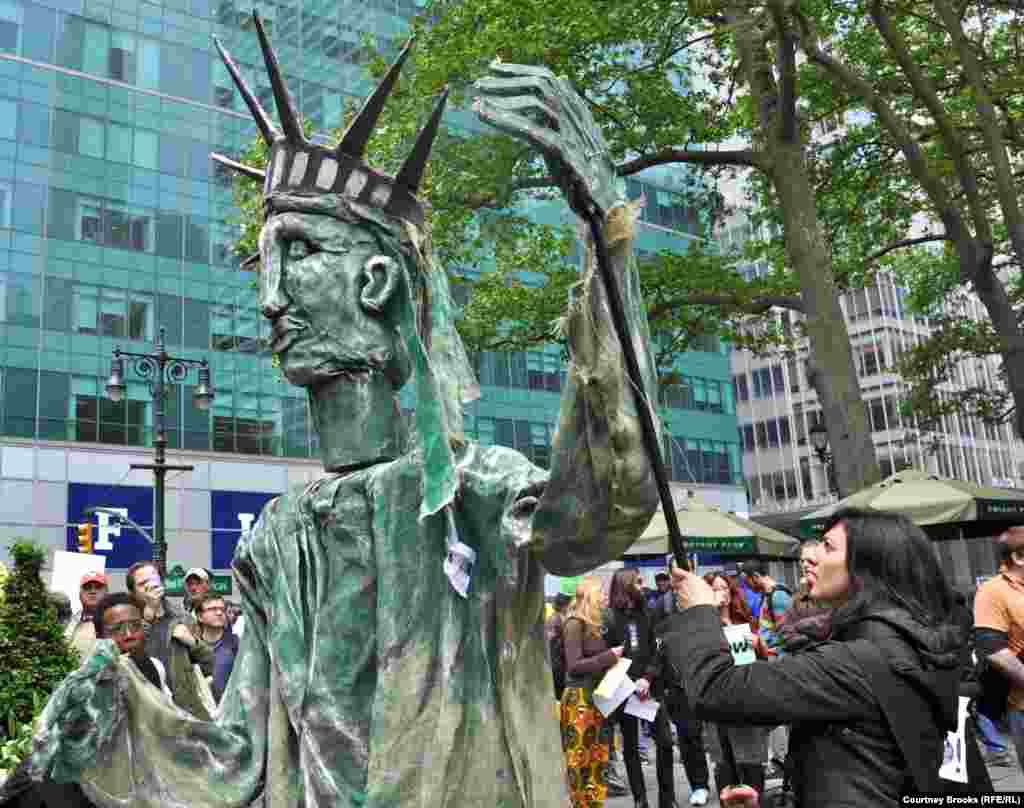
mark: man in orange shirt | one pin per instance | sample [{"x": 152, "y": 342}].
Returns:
[{"x": 999, "y": 627}]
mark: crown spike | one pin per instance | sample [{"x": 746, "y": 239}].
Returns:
[
  {"x": 238, "y": 168},
  {"x": 354, "y": 141},
  {"x": 415, "y": 164},
  {"x": 263, "y": 121},
  {"x": 285, "y": 111}
]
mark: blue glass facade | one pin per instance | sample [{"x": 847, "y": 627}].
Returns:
[{"x": 115, "y": 224}]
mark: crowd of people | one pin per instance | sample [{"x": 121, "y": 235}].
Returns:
[
  {"x": 187, "y": 653},
  {"x": 852, "y": 685},
  {"x": 845, "y": 689}
]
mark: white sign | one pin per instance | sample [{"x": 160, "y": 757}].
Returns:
[
  {"x": 646, "y": 710},
  {"x": 954, "y": 759},
  {"x": 246, "y": 520},
  {"x": 458, "y": 566},
  {"x": 741, "y": 643},
  {"x": 613, "y": 678},
  {"x": 68, "y": 569},
  {"x": 609, "y": 704}
]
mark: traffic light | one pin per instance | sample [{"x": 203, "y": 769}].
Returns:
[{"x": 85, "y": 537}]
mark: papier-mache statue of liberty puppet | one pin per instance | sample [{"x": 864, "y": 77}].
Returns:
[{"x": 394, "y": 646}]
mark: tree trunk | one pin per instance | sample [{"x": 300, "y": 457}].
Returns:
[
  {"x": 993, "y": 296},
  {"x": 835, "y": 377},
  {"x": 771, "y": 76}
]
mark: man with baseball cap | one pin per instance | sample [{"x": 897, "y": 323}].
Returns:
[
  {"x": 81, "y": 632},
  {"x": 197, "y": 583},
  {"x": 999, "y": 627}
]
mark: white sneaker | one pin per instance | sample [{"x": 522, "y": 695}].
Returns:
[{"x": 699, "y": 796}]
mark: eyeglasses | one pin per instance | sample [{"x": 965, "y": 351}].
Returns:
[
  {"x": 214, "y": 609},
  {"x": 127, "y": 627}
]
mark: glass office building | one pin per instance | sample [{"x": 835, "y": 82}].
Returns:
[{"x": 114, "y": 224}]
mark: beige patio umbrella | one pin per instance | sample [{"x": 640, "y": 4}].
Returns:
[
  {"x": 927, "y": 500},
  {"x": 707, "y": 529}
]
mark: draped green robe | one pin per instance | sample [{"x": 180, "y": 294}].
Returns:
[{"x": 363, "y": 678}]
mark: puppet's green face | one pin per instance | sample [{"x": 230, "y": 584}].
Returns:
[{"x": 327, "y": 288}]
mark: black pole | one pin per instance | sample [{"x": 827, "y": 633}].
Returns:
[
  {"x": 159, "y": 459},
  {"x": 160, "y": 466},
  {"x": 647, "y": 427}
]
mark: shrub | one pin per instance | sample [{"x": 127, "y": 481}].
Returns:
[{"x": 35, "y": 655}]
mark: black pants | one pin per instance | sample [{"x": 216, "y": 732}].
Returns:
[
  {"x": 689, "y": 732},
  {"x": 631, "y": 751}
]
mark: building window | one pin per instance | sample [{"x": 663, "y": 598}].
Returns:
[
  {"x": 748, "y": 437},
  {"x": 57, "y": 301},
  {"x": 23, "y": 300},
  {"x": 20, "y": 388},
  {"x": 89, "y": 220},
  {"x": 741, "y": 387},
  {"x": 86, "y": 309},
  {"x": 5, "y": 204},
  {"x": 34, "y": 124},
  {"x": 761, "y": 430},
  {"x": 762, "y": 381},
  {"x": 112, "y": 313},
  {"x": 10, "y": 26},
  {"x": 140, "y": 316}
]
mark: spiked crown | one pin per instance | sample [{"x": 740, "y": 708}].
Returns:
[{"x": 297, "y": 166}]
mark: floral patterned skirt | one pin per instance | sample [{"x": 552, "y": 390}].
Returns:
[{"x": 585, "y": 741}]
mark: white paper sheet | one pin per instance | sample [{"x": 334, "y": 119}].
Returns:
[
  {"x": 954, "y": 762},
  {"x": 612, "y": 678},
  {"x": 645, "y": 710},
  {"x": 741, "y": 643},
  {"x": 458, "y": 566},
  {"x": 68, "y": 569},
  {"x": 609, "y": 705}
]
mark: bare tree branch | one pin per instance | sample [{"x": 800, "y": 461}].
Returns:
[
  {"x": 916, "y": 161},
  {"x": 925, "y": 90},
  {"x": 907, "y": 242},
  {"x": 991, "y": 129},
  {"x": 725, "y": 157},
  {"x": 757, "y": 305}
]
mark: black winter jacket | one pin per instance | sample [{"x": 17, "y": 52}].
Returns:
[
  {"x": 616, "y": 632},
  {"x": 843, "y": 745}
]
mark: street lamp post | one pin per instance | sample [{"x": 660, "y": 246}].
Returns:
[
  {"x": 159, "y": 369},
  {"x": 819, "y": 442}
]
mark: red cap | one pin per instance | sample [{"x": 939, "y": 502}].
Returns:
[{"x": 94, "y": 577}]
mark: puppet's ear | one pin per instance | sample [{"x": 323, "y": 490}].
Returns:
[{"x": 381, "y": 275}]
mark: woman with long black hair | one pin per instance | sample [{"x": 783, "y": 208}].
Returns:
[
  {"x": 870, "y": 707},
  {"x": 627, "y": 624}
]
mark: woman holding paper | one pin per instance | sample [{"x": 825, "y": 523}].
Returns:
[
  {"x": 742, "y": 747},
  {"x": 585, "y": 734},
  {"x": 870, "y": 707},
  {"x": 627, "y": 624}
]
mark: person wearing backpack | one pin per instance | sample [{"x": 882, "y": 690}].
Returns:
[
  {"x": 775, "y": 600},
  {"x": 870, "y": 706},
  {"x": 999, "y": 640}
]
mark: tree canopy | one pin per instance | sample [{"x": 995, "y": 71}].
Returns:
[{"x": 879, "y": 141}]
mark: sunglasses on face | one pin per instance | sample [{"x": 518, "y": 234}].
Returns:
[{"x": 127, "y": 627}]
